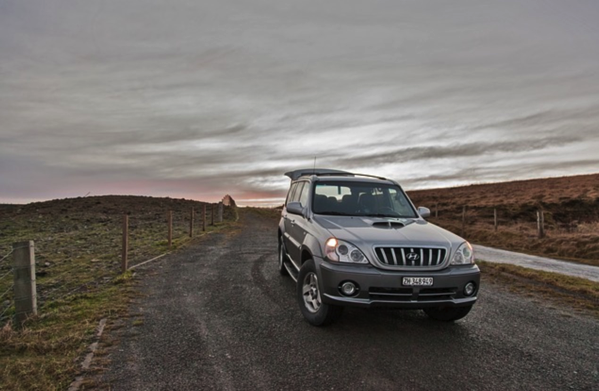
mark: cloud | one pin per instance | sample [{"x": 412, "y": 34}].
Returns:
[
  {"x": 212, "y": 97},
  {"x": 459, "y": 151}
]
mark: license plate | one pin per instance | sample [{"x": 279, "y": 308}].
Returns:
[{"x": 417, "y": 281}]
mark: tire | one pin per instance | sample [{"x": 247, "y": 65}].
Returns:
[
  {"x": 313, "y": 309},
  {"x": 447, "y": 314},
  {"x": 282, "y": 258}
]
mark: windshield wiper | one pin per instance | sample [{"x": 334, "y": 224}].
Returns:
[{"x": 330, "y": 212}]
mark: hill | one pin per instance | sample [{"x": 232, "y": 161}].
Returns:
[
  {"x": 570, "y": 207},
  {"x": 78, "y": 275}
]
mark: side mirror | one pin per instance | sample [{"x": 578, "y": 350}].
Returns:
[
  {"x": 295, "y": 208},
  {"x": 424, "y": 212}
]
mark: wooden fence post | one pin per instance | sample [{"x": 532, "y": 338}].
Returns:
[
  {"x": 170, "y": 229},
  {"x": 495, "y": 218},
  {"x": 24, "y": 280},
  {"x": 220, "y": 212},
  {"x": 204, "y": 217},
  {"x": 541, "y": 224},
  {"x": 125, "y": 246},
  {"x": 212, "y": 213},
  {"x": 191, "y": 223}
]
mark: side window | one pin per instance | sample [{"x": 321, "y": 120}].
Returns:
[
  {"x": 304, "y": 194},
  {"x": 292, "y": 191},
  {"x": 295, "y": 192},
  {"x": 298, "y": 191}
]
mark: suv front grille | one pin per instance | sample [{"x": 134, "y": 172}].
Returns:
[{"x": 410, "y": 256}]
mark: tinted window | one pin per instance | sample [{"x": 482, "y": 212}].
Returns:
[
  {"x": 295, "y": 192},
  {"x": 291, "y": 192},
  {"x": 361, "y": 199},
  {"x": 304, "y": 194}
]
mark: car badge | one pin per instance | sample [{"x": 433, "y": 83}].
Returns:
[{"x": 413, "y": 257}]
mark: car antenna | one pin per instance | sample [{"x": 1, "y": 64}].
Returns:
[{"x": 314, "y": 167}]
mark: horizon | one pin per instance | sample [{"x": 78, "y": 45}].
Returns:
[
  {"x": 276, "y": 202},
  {"x": 195, "y": 101}
]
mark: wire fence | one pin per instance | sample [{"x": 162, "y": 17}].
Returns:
[
  {"x": 82, "y": 255},
  {"x": 4, "y": 258},
  {"x": 6, "y": 285},
  {"x": 3, "y": 276}
]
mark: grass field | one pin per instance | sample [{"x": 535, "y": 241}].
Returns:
[
  {"x": 78, "y": 247},
  {"x": 570, "y": 206},
  {"x": 573, "y": 292}
]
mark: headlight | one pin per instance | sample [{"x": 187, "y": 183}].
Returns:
[
  {"x": 464, "y": 255},
  {"x": 339, "y": 251}
]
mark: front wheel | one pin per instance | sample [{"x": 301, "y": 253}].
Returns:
[
  {"x": 309, "y": 298},
  {"x": 447, "y": 314}
]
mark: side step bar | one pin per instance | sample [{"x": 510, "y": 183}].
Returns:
[{"x": 293, "y": 272}]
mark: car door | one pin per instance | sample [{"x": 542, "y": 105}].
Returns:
[
  {"x": 298, "y": 228},
  {"x": 291, "y": 243}
]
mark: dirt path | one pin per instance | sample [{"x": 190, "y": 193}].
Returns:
[
  {"x": 540, "y": 263},
  {"x": 218, "y": 316}
]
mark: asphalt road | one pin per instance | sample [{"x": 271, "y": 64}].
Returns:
[{"x": 218, "y": 316}]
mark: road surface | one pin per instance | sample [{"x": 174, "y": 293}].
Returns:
[{"x": 218, "y": 316}]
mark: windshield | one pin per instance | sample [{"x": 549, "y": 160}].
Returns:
[{"x": 361, "y": 199}]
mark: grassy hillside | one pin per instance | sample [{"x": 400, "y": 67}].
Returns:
[
  {"x": 570, "y": 206},
  {"x": 78, "y": 273}
]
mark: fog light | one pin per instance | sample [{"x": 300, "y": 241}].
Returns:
[
  {"x": 349, "y": 288},
  {"x": 469, "y": 289}
]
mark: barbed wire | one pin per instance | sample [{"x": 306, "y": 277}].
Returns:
[
  {"x": 7, "y": 255},
  {"x": 47, "y": 302},
  {"x": 6, "y": 291},
  {"x": 6, "y": 274},
  {"x": 52, "y": 289},
  {"x": 11, "y": 251},
  {"x": 5, "y": 311},
  {"x": 55, "y": 299},
  {"x": 52, "y": 279}
]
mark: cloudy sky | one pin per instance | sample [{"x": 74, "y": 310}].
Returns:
[{"x": 199, "y": 98}]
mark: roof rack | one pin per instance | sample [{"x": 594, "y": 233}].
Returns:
[
  {"x": 372, "y": 176},
  {"x": 296, "y": 174},
  {"x": 315, "y": 171}
]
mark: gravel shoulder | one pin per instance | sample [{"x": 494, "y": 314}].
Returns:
[
  {"x": 490, "y": 254},
  {"x": 218, "y": 316}
]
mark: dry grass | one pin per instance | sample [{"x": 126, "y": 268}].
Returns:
[
  {"x": 574, "y": 292},
  {"x": 78, "y": 244},
  {"x": 570, "y": 205},
  {"x": 44, "y": 354},
  {"x": 544, "y": 190}
]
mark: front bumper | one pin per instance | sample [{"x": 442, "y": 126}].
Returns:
[{"x": 384, "y": 288}]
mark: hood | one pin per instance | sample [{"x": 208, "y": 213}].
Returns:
[{"x": 388, "y": 231}]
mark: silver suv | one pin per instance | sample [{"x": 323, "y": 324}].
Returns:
[{"x": 357, "y": 240}]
